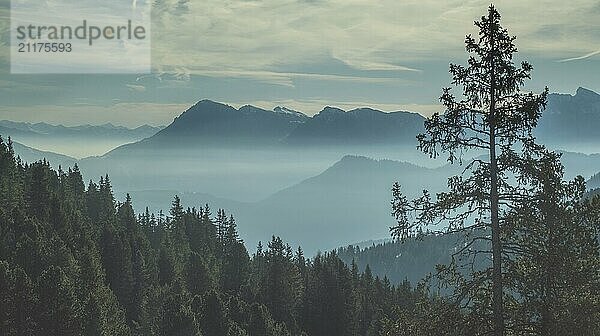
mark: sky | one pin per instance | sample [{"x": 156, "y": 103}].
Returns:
[{"x": 305, "y": 54}]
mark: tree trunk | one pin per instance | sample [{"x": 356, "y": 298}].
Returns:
[
  {"x": 497, "y": 287},
  {"x": 497, "y": 304}
]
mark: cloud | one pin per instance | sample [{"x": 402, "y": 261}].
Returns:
[
  {"x": 269, "y": 36},
  {"x": 287, "y": 78},
  {"x": 376, "y": 66},
  {"x": 136, "y": 88},
  {"x": 206, "y": 37},
  {"x": 385, "y": 54},
  {"x": 581, "y": 57}
]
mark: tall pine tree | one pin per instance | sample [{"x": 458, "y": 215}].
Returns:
[{"x": 494, "y": 117}]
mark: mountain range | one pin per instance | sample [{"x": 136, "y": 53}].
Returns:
[
  {"x": 569, "y": 120},
  {"x": 90, "y": 130},
  {"x": 364, "y": 126},
  {"x": 213, "y": 124},
  {"x": 77, "y": 141},
  {"x": 280, "y": 171},
  {"x": 29, "y": 154},
  {"x": 346, "y": 203}
]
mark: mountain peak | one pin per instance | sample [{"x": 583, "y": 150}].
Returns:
[
  {"x": 205, "y": 107},
  {"x": 330, "y": 110},
  {"x": 224, "y": 125},
  {"x": 285, "y": 110},
  {"x": 583, "y": 92},
  {"x": 356, "y": 158},
  {"x": 251, "y": 109},
  {"x": 209, "y": 103}
]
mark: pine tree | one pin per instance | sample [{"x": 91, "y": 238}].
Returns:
[
  {"x": 176, "y": 315},
  {"x": 235, "y": 263},
  {"x": 176, "y": 209},
  {"x": 166, "y": 266},
  {"x": 200, "y": 278},
  {"x": 18, "y": 302},
  {"x": 221, "y": 223},
  {"x": 495, "y": 117},
  {"x": 102, "y": 314},
  {"x": 280, "y": 287},
  {"x": 214, "y": 315},
  {"x": 60, "y": 312},
  {"x": 262, "y": 324},
  {"x": 556, "y": 256}
]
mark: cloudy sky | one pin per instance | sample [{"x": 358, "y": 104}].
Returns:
[{"x": 305, "y": 54}]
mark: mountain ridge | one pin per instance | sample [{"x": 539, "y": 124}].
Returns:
[
  {"x": 571, "y": 118},
  {"x": 567, "y": 118}
]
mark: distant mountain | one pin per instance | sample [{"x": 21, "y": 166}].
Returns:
[
  {"x": 285, "y": 110},
  {"x": 29, "y": 154},
  {"x": 44, "y": 129},
  {"x": 363, "y": 127},
  {"x": 346, "y": 203},
  {"x": 212, "y": 123},
  {"x": 77, "y": 141},
  {"x": 568, "y": 122},
  {"x": 571, "y": 119},
  {"x": 594, "y": 182},
  {"x": 575, "y": 164},
  {"x": 244, "y": 154}
]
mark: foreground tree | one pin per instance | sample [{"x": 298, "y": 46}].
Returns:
[
  {"x": 495, "y": 118},
  {"x": 555, "y": 256}
]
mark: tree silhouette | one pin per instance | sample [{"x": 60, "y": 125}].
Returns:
[{"x": 492, "y": 117}]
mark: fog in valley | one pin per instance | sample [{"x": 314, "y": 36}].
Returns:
[{"x": 320, "y": 182}]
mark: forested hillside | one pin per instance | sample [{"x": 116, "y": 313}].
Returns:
[
  {"x": 412, "y": 260},
  {"x": 73, "y": 261}
]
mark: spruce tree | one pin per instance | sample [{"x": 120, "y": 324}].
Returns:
[
  {"x": 60, "y": 311},
  {"x": 18, "y": 302},
  {"x": 556, "y": 256},
  {"x": 214, "y": 315},
  {"x": 494, "y": 117}
]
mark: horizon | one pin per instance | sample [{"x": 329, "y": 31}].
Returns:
[
  {"x": 35, "y": 119},
  {"x": 305, "y": 55}
]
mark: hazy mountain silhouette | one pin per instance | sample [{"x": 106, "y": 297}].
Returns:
[
  {"x": 594, "y": 182},
  {"x": 575, "y": 164},
  {"x": 568, "y": 119},
  {"x": 348, "y": 202},
  {"x": 78, "y": 141},
  {"x": 364, "y": 126},
  {"x": 44, "y": 129},
  {"x": 29, "y": 154},
  {"x": 213, "y": 123},
  {"x": 571, "y": 119}
]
